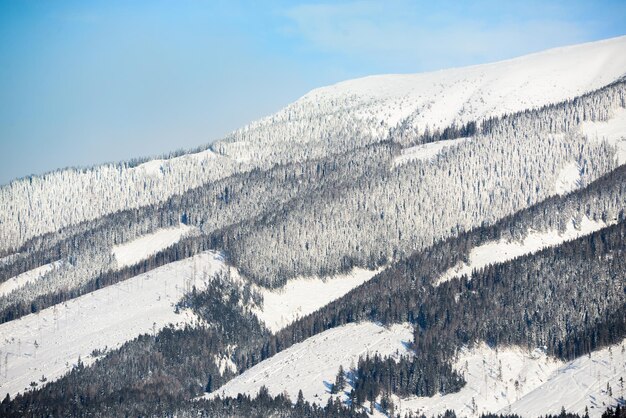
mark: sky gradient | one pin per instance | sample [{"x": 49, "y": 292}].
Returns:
[{"x": 86, "y": 82}]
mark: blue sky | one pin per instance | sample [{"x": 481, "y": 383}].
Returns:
[{"x": 85, "y": 82}]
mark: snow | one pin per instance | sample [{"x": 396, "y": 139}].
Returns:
[
  {"x": 26, "y": 277},
  {"x": 579, "y": 384},
  {"x": 569, "y": 178},
  {"x": 426, "y": 151},
  {"x": 49, "y": 342},
  {"x": 490, "y": 375},
  {"x": 503, "y": 250},
  {"x": 302, "y": 296},
  {"x": 313, "y": 364},
  {"x": 461, "y": 95},
  {"x": 159, "y": 166},
  {"x": 134, "y": 251},
  {"x": 613, "y": 131}
]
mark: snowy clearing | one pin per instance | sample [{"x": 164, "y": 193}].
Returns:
[
  {"x": 159, "y": 166},
  {"x": 312, "y": 364},
  {"x": 569, "y": 179},
  {"x": 491, "y": 377},
  {"x": 26, "y": 277},
  {"x": 134, "y": 251},
  {"x": 501, "y": 251},
  {"x": 302, "y": 296},
  {"x": 49, "y": 342},
  {"x": 579, "y": 384},
  {"x": 426, "y": 151},
  {"x": 613, "y": 131}
]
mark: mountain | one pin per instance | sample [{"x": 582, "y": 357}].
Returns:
[{"x": 451, "y": 240}]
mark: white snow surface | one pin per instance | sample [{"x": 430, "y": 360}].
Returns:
[
  {"x": 49, "y": 342},
  {"x": 134, "y": 251},
  {"x": 490, "y": 375},
  {"x": 613, "y": 131},
  {"x": 569, "y": 178},
  {"x": 302, "y": 296},
  {"x": 503, "y": 250},
  {"x": 461, "y": 95},
  {"x": 425, "y": 151},
  {"x": 578, "y": 384},
  {"x": 158, "y": 166},
  {"x": 544, "y": 384},
  {"x": 27, "y": 277},
  {"x": 313, "y": 364}
]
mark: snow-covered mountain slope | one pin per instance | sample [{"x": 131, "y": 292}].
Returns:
[
  {"x": 501, "y": 251},
  {"x": 302, "y": 296},
  {"x": 442, "y": 98},
  {"x": 329, "y": 119},
  {"x": 312, "y": 364},
  {"x": 495, "y": 379},
  {"x": 595, "y": 381},
  {"x": 138, "y": 249},
  {"x": 50, "y": 342},
  {"x": 530, "y": 384}
]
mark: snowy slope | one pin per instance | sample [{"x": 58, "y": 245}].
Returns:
[
  {"x": 569, "y": 178},
  {"x": 579, "y": 384},
  {"x": 426, "y": 151},
  {"x": 613, "y": 131},
  {"x": 302, "y": 296},
  {"x": 26, "y": 277},
  {"x": 312, "y": 364},
  {"x": 49, "y": 342},
  {"x": 501, "y": 251},
  {"x": 141, "y": 248},
  {"x": 491, "y": 377},
  {"x": 459, "y": 95}
]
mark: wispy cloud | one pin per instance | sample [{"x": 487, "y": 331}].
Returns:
[{"x": 413, "y": 36}]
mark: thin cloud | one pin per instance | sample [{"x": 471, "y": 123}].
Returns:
[{"x": 415, "y": 38}]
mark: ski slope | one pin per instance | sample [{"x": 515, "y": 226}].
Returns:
[
  {"x": 302, "y": 296},
  {"x": 50, "y": 342},
  {"x": 134, "y": 251},
  {"x": 502, "y": 250},
  {"x": 613, "y": 131},
  {"x": 313, "y": 364}
]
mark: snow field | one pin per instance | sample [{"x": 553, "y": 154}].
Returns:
[
  {"x": 569, "y": 179},
  {"x": 50, "y": 342},
  {"x": 502, "y": 250},
  {"x": 472, "y": 93},
  {"x": 134, "y": 251},
  {"x": 302, "y": 296},
  {"x": 312, "y": 365},
  {"x": 495, "y": 379},
  {"x": 613, "y": 131},
  {"x": 426, "y": 151},
  {"x": 27, "y": 277},
  {"x": 589, "y": 381}
]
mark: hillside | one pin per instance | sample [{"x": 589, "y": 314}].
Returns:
[{"x": 450, "y": 240}]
